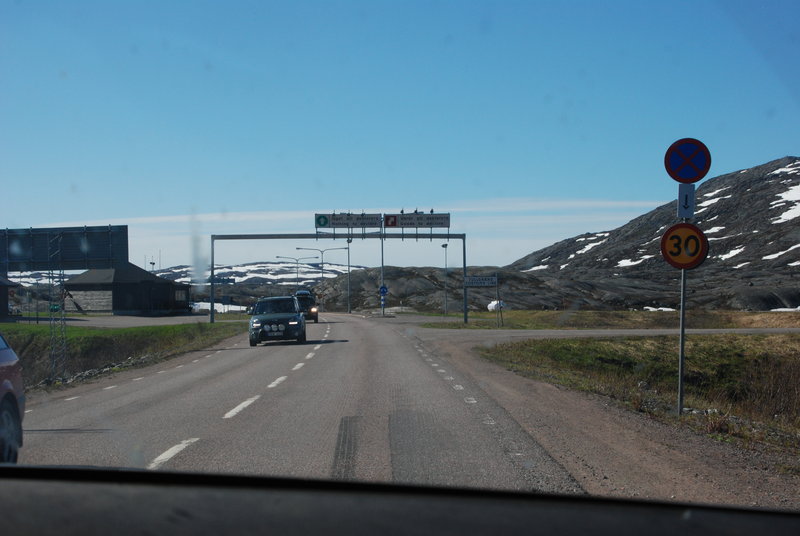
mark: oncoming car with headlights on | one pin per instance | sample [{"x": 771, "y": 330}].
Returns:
[
  {"x": 308, "y": 305},
  {"x": 277, "y": 318}
]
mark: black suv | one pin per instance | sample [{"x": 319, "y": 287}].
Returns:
[
  {"x": 308, "y": 305},
  {"x": 277, "y": 318}
]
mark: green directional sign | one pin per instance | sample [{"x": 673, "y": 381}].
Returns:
[{"x": 347, "y": 220}]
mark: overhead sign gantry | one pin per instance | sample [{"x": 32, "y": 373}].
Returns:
[{"x": 352, "y": 223}]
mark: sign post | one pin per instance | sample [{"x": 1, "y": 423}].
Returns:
[
  {"x": 383, "y": 291},
  {"x": 684, "y": 245}
]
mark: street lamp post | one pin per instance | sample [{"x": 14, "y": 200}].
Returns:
[
  {"x": 297, "y": 267},
  {"x": 321, "y": 260},
  {"x": 444, "y": 246},
  {"x": 349, "y": 241}
]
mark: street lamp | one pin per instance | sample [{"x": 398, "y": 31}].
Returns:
[
  {"x": 297, "y": 267},
  {"x": 321, "y": 260},
  {"x": 444, "y": 246}
]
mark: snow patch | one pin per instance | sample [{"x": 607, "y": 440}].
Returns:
[
  {"x": 776, "y": 255},
  {"x": 731, "y": 253},
  {"x": 715, "y": 192},
  {"x": 790, "y": 195},
  {"x": 792, "y": 168},
  {"x": 624, "y": 263},
  {"x": 534, "y": 268},
  {"x": 710, "y": 202},
  {"x": 589, "y": 246}
]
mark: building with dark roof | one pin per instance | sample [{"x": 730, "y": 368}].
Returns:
[{"x": 126, "y": 290}]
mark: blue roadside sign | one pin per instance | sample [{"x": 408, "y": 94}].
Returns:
[
  {"x": 687, "y": 160},
  {"x": 383, "y": 290}
]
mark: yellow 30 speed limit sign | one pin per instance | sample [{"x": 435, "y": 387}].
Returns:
[{"x": 684, "y": 246}]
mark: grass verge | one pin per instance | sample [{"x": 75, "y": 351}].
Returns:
[
  {"x": 745, "y": 386},
  {"x": 90, "y": 350},
  {"x": 623, "y": 319}
]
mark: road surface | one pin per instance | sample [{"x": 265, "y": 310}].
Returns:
[{"x": 361, "y": 400}]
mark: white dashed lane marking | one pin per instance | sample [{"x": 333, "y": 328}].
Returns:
[
  {"x": 298, "y": 366},
  {"x": 170, "y": 453},
  {"x": 276, "y": 382},
  {"x": 109, "y": 387},
  {"x": 137, "y": 379},
  {"x": 71, "y": 398},
  {"x": 240, "y": 407},
  {"x": 317, "y": 347}
]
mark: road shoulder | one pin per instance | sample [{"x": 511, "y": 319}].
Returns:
[{"x": 615, "y": 452}]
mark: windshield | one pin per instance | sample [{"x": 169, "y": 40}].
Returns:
[
  {"x": 306, "y": 302},
  {"x": 275, "y": 306},
  {"x": 482, "y": 197}
]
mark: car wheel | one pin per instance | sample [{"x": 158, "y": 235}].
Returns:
[
  {"x": 302, "y": 337},
  {"x": 10, "y": 430},
  {"x": 252, "y": 342}
]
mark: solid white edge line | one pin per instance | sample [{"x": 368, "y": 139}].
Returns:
[
  {"x": 171, "y": 453},
  {"x": 240, "y": 407}
]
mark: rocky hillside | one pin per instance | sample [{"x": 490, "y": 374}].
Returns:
[{"x": 750, "y": 217}]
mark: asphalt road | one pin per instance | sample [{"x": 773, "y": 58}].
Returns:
[{"x": 363, "y": 399}]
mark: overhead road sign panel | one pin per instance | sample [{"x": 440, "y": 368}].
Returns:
[
  {"x": 63, "y": 248},
  {"x": 687, "y": 160},
  {"x": 417, "y": 219},
  {"x": 684, "y": 246},
  {"x": 348, "y": 221},
  {"x": 480, "y": 281}
]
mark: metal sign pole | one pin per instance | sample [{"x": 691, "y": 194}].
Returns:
[
  {"x": 681, "y": 354},
  {"x": 464, "y": 252},
  {"x": 211, "y": 290},
  {"x": 383, "y": 298}
]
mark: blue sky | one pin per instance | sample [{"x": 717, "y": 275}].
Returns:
[{"x": 529, "y": 122}]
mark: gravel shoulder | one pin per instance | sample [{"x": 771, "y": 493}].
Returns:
[{"x": 614, "y": 452}]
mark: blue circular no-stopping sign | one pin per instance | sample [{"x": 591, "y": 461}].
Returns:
[{"x": 687, "y": 160}]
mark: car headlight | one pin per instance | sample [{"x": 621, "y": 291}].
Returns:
[
  {"x": 293, "y": 322},
  {"x": 256, "y": 324},
  {"x": 313, "y": 309}
]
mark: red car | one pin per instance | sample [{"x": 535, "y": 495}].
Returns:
[{"x": 12, "y": 403}]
